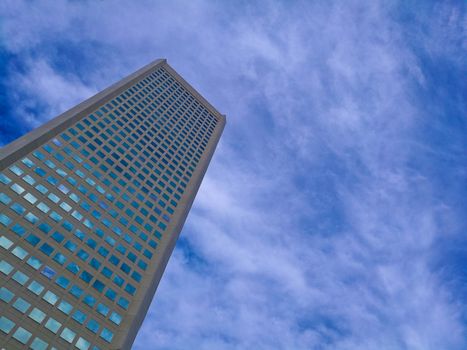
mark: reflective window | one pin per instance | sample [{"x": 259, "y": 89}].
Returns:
[
  {"x": 82, "y": 344},
  {"x": 68, "y": 335},
  {"x": 50, "y": 297},
  {"x": 48, "y": 272},
  {"x": 93, "y": 326},
  {"x": 107, "y": 335},
  {"x": 6, "y": 325},
  {"x": 4, "y": 220},
  {"x": 37, "y": 315},
  {"x": 34, "y": 262},
  {"x": 21, "y": 305},
  {"x": 5, "y": 242},
  {"x": 5, "y": 267},
  {"x": 60, "y": 258},
  {"x": 36, "y": 287},
  {"x": 19, "y": 252},
  {"x": 62, "y": 282},
  {"x": 65, "y": 307},
  {"x": 38, "y": 344},
  {"x": 79, "y": 316},
  {"x": 20, "y": 277},
  {"x": 89, "y": 300},
  {"x": 115, "y": 318},
  {"x": 102, "y": 309},
  {"x": 76, "y": 291},
  {"x": 22, "y": 335},
  {"x": 6, "y": 295},
  {"x": 53, "y": 325},
  {"x": 4, "y": 199}
]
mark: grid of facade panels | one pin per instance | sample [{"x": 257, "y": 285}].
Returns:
[{"x": 83, "y": 217}]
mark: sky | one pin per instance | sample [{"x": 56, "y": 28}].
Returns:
[{"x": 332, "y": 215}]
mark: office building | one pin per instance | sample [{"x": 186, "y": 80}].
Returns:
[{"x": 91, "y": 206}]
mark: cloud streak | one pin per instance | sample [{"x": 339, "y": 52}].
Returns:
[{"x": 321, "y": 223}]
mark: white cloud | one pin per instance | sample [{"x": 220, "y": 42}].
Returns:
[
  {"x": 44, "y": 87},
  {"x": 311, "y": 228}
]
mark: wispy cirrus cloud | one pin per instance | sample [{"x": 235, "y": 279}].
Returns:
[{"x": 322, "y": 222}]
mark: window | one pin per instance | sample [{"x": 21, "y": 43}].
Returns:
[
  {"x": 57, "y": 236},
  {"x": 34, "y": 262},
  {"x": 5, "y": 267},
  {"x": 102, "y": 309},
  {"x": 86, "y": 276},
  {"x": 5, "y": 220},
  {"x": 20, "y": 277},
  {"x": 22, "y": 335},
  {"x": 6, "y": 295},
  {"x": 48, "y": 272},
  {"x": 73, "y": 268},
  {"x": 89, "y": 300},
  {"x": 36, "y": 287},
  {"x": 4, "y": 199},
  {"x": 95, "y": 263},
  {"x": 98, "y": 285},
  {"x": 68, "y": 335},
  {"x": 44, "y": 227},
  {"x": 111, "y": 294},
  {"x": 115, "y": 318},
  {"x": 107, "y": 335},
  {"x": 19, "y": 252},
  {"x": 38, "y": 344},
  {"x": 65, "y": 307},
  {"x": 79, "y": 317},
  {"x": 60, "y": 258},
  {"x": 46, "y": 249},
  {"x": 50, "y": 297},
  {"x": 62, "y": 282},
  {"x": 37, "y": 315},
  {"x": 70, "y": 246},
  {"x": 82, "y": 344},
  {"x": 76, "y": 291},
  {"x": 21, "y": 305},
  {"x": 33, "y": 239},
  {"x": 53, "y": 325},
  {"x": 6, "y": 325},
  {"x": 17, "y": 188},
  {"x": 122, "y": 302},
  {"x": 4, "y": 179},
  {"x": 30, "y": 198},
  {"x": 5, "y": 242}
]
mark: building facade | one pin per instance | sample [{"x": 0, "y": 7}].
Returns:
[{"x": 91, "y": 206}]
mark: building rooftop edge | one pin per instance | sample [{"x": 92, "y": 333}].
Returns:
[
  {"x": 195, "y": 92},
  {"x": 59, "y": 123}
]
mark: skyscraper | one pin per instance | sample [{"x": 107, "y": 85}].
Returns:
[{"x": 91, "y": 206}]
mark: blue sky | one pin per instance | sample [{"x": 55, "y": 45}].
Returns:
[{"x": 333, "y": 213}]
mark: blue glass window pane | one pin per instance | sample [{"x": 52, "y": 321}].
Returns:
[
  {"x": 89, "y": 300},
  {"x": 48, "y": 272},
  {"x": 79, "y": 317},
  {"x": 73, "y": 268},
  {"x": 33, "y": 239},
  {"x": 115, "y": 318},
  {"x": 65, "y": 307},
  {"x": 102, "y": 309},
  {"x": 60, "y": 258},
  {"x": 76, "y": 291},
  {"x": 86, "y": 276},
  {"x": 107, "y": 335},
  {"x": 93, "y": 326},
  {"x": 98, "y": 285},
  {"x": 122, "y": 302},
  {"x": 62, "y": 282},
  {"x": 6, "y": 325}
]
